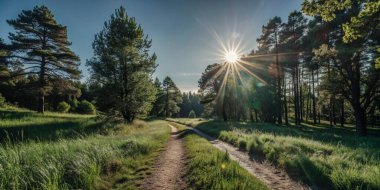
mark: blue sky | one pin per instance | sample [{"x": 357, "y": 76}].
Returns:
[{"x": 183, "y": 31}]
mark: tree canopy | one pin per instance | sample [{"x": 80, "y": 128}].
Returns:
[{"x": 122, "y": 67}]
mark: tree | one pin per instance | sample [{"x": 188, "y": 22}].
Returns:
[
  {"x": 192, "y": 114},
  {"x": 40, "y": 44},
  {"x": 186, "y": 105},
  {"x": 4, "y": 71},
  {"x": 269, "y": 42},
  {"x": 122, "y": 66},
  {"x": 158, "y": 105},
  {"x": 290, "y": 36},
  {"x": 172, "y": 97},
  {"x": 355, "y": 57},
  {"x": 63, "y": 107}
]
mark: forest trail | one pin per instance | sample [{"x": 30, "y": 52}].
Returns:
[
  {"x": 168, "y": 171},
  {"x": 271, "y": 176}
]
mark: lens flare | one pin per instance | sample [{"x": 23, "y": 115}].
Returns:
[{"x": 231, "y": 57}]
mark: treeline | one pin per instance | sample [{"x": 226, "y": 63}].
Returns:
[
  {"x": 306, "y": 70},
  {"x": 39, "y": 71},
  {"x": 171, "y": 103}
]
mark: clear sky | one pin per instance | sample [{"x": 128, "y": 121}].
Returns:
[{"x": 183, "y": 31}]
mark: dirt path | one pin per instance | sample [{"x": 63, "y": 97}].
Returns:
[
  {"x": 168, "y": 171},
  {"x": 271, "y": 176}
]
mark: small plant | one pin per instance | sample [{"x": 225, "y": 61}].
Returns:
[
  {"x": 85, "y": 107},
  {"x": 74, "y": 103},
  {"x": 2, "y": 101},
  {"x": 242, "y": 143},
  {"x": 63, "y": 107},
  {"x": 192, "y": 114}
]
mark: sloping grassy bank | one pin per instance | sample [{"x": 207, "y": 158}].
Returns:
[
  {"x": 328, "y": 159},
  {"x": 22, "y": 125},
  {"x": 101, "y": 157},
  {"x": 209, "y": 168}
]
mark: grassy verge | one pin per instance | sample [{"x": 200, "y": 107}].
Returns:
[
  {"x": 332, "y": 158},
  {"x": 22, "y": 125},
  {"x": 107, "y": 157},
  {"x": 209, "y": 168}
]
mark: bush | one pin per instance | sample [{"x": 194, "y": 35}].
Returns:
[
  {"x": 2, "y": 101},
  {"x": 85, "y": 107},
  {"x": 74, "y": 103},
  {"x": 192, "y": 114},
  {"x": 63, "y": 107},
  {"x": 242, "y": 144}
]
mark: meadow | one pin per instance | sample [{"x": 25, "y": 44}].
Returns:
[
  {"x": 321, "y": 156},
  {"x": 69, "y": 151}
]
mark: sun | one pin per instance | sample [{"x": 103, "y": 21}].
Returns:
[{"x": 231, "y": 57}]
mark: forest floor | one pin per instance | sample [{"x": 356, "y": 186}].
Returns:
[
  {"x": 169, "y": 169},
  {"x": 274, "y": 178}
]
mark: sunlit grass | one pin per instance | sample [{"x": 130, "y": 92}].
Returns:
[
  {"x": 320, "y": 156},
  {"x": 209, "y": 168},
  {"x": 109, "y": 157}
]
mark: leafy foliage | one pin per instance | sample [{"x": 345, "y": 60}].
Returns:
[
  {"x": 63, "y": 107},
  {"x": 122, "y": 67},
  {"x": 192, "y": 114},
  {"x": 86, "y": 107},
  {"x": 41, "y": 46},
  {"x": 172, "y": 97}
]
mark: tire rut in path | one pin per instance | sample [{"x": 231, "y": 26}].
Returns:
[
  {"x": 168, "y": 171},
  {"x": 271, "y": 176}
]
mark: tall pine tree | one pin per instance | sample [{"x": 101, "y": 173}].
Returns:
[
  {"x": 122, "y": 66},
  {"x": 172, "y": 97},
  {"x": 269, "y": 41},
  {"x": 41, "y": 45}
]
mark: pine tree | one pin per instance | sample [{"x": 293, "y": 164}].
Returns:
[
  {"x": 269, "y": 41},
  {"x": 158, "y": 105},
  {"x": 291, "y": 35},
  {"x": 354, "y": 51},
  {"x": 122, "y": 66},
  {"x": 172, "y": 97},
  {"x": 41, "y": 45}
]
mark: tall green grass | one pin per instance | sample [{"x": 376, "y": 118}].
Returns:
[
  {"x": 22, "y": 125},
  {"x": 100, "y": 157},
  {"x": 329, "y": 158}
]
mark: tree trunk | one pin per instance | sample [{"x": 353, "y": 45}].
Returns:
[
  {"x": 333, "y": 112},
  {"x": 314, "y": 107},
  {"x": 296, "y": 97},
  {"x": 285, "y": 104},
  {"x": 330, "y": 112},
  {"x": 279, "y": 91},
  {"x": 301, "y": 96},
  {"x": 342, "y": 114},
  {"x": 360, "y": 121},
  {"x": 41, "y": 102},
  {"x": 359, "y": 111},
  {"x": 224, "y": 112}
]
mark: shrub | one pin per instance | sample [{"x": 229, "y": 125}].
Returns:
[
  {"x": 242, "y": 144},
  {"x": 74, "y": 103},
  {"x": 63, "y": 107},
  {"x": 192, "y": 114},
  {"x": 2, "y": 101},
  {"x": 85, "y": 107}
]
